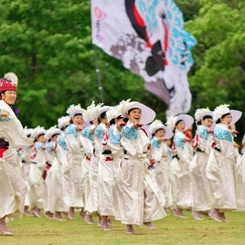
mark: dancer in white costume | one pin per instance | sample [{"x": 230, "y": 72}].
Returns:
[
  {"x": 139, "y": 199},
  {"x": 202, "y": 146},
  {"x": 221, "y": 163},
  {"x": 12, "y": 135},
  {"x": 53, "y": 182},
  {"x": 159, "y": 143},
  {"x": 75, "y": 156},
  {"x": 179, "y": 166},
  {"x": 108, "y": 162},
  {"x": 100, "y": 131},
  {"x": 37, "y": 168}
]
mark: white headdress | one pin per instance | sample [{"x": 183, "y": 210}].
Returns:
[
  {"x": 63, "y": 122},
  {"x": 172, "y": 120},
  {"x": 156, "y": 125},
  {"x": 221, "y": 110},
  {"x": 200, "y": 113},
  {"x": 74, "y": 109},
  {"x": 51, "y": 132},
  {"x": 147, "y": 114},
  {"x": 38, "y": 131},
  {"x": 113, "y": 113},
  {"x": 12, "y": 77}
]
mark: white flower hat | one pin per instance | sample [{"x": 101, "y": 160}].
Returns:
[
  {"x": 201, "y": 113},
  {"x": 38, "y": 131},
  {"x": 74, "y": 109},
  {"x": 147, "y": 114},
  {"x": 92, "y": 112},
  {"x": 63, "y": 122},
  {"x": 172, "y": 120},
  {"x": 51, "y": 132},
  {"x": 156, "y": 125},
  {"x": 113, "y": 113},
  {"x": 221, "y": 110}
]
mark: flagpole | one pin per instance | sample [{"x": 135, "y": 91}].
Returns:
[{"x": 100, "y": 87}]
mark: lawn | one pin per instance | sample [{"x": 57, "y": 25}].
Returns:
[{"x": 170, "y": 231}]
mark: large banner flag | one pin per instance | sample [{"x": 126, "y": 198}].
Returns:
[{"x": 148, "y": 36}]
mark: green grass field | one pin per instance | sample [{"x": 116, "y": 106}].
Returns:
[{"x": 170, "y": 231}]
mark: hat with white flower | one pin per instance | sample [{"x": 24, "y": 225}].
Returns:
[
  {"x": 37, "y": 132},
  {"x": 156, "y": 125},
  {"x": 172, "y": 120},
  {"x": 74, "y": 110},
  {"x": 92, "y": 112},
  {"x": 63, "y": 122},
  {"x": 201, "y": 113},
  {"x": 223, "y": 109},
  {"x": 147, "y": 114},
  {"x": 113, "y": 113},
  {"x": 9, "y": 82},
  {"x": 52, "y": 132}
]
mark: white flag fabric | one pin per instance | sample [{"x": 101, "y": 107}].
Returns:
[{"x": 148, "y": 36}]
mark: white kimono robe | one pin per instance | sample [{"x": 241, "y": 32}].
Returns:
[
  {"x": 12, "y": 183},
  {"x": 180, "y": 174},
  {"x": 200, "y": 182},
  {"x": 139, "y": 199},
  {"x": 36, "y": 181},
  {"x": 220, "y": 170},
  {"x": 160, "y": 154},
  {"x": 107, "y": 172}
]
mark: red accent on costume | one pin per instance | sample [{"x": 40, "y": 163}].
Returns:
[{"x": 2, "y": 150}]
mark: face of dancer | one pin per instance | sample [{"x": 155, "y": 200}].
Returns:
[
  {"x": 160, "y": 133},
  {"x": 9, "y": 97},
  {"x": 135, "y": 115},
  {"x": 78, "y": 120},
  {"x": 54, "y": 138},
  {"x": 207, "y": 122},
  {"x": 227, "y": 120},
  {"x": 105, "y": 121},
  {"x": 180, "y": 126},
  {"x": 41, "y": 139}
]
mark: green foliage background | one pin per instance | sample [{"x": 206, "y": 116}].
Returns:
[{"x": 48, "y": 45}]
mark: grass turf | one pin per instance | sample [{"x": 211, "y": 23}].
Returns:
[{"x": 170, "y": 231}]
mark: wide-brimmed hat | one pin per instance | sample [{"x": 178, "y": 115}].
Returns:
[
  {"x": 188, "y": 120},
  {"x": 221, "y": 110},
  {"x": 9, "y": 82},
  {"x": 63, "y": 122},
  {"x": 51, "y": 132},
  {"x": 113, "y": 113},
  {"x": 74, "y": 110},
  {"x": 156, "y": 125},
  {"x": 37, "y": 132},
  {"x": 201, "y": 113},
  {"x": 147, "y": 114}
]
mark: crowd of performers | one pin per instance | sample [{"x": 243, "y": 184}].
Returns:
[{"x": 118, "y": 162}]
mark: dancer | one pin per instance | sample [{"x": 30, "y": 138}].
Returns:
[
  {"x": 139, "y": 200},
  {"x": 12, "y": 135},
  {"x": 221, "y": 163}
]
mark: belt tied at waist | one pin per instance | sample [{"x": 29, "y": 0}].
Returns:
[{"x": 138, "y": 156}]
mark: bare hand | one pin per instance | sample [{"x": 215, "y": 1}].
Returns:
[{"x": 4, "y": 114}]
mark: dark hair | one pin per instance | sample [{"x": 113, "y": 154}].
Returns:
[
  {"x": 219, "y": 120},
  {"x": 102, "y": 115},
  {"x": 55, "y": 135},
  {"x": 113, "y": 121},
  {"x": 178, "y": 122},
  {"x": 133, "y": 109},
  {"x": 205, "y": 117},
  {"x": 38, "y": 137}
]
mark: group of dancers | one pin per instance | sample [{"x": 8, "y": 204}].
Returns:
[{"x": 119, "y": 162}]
